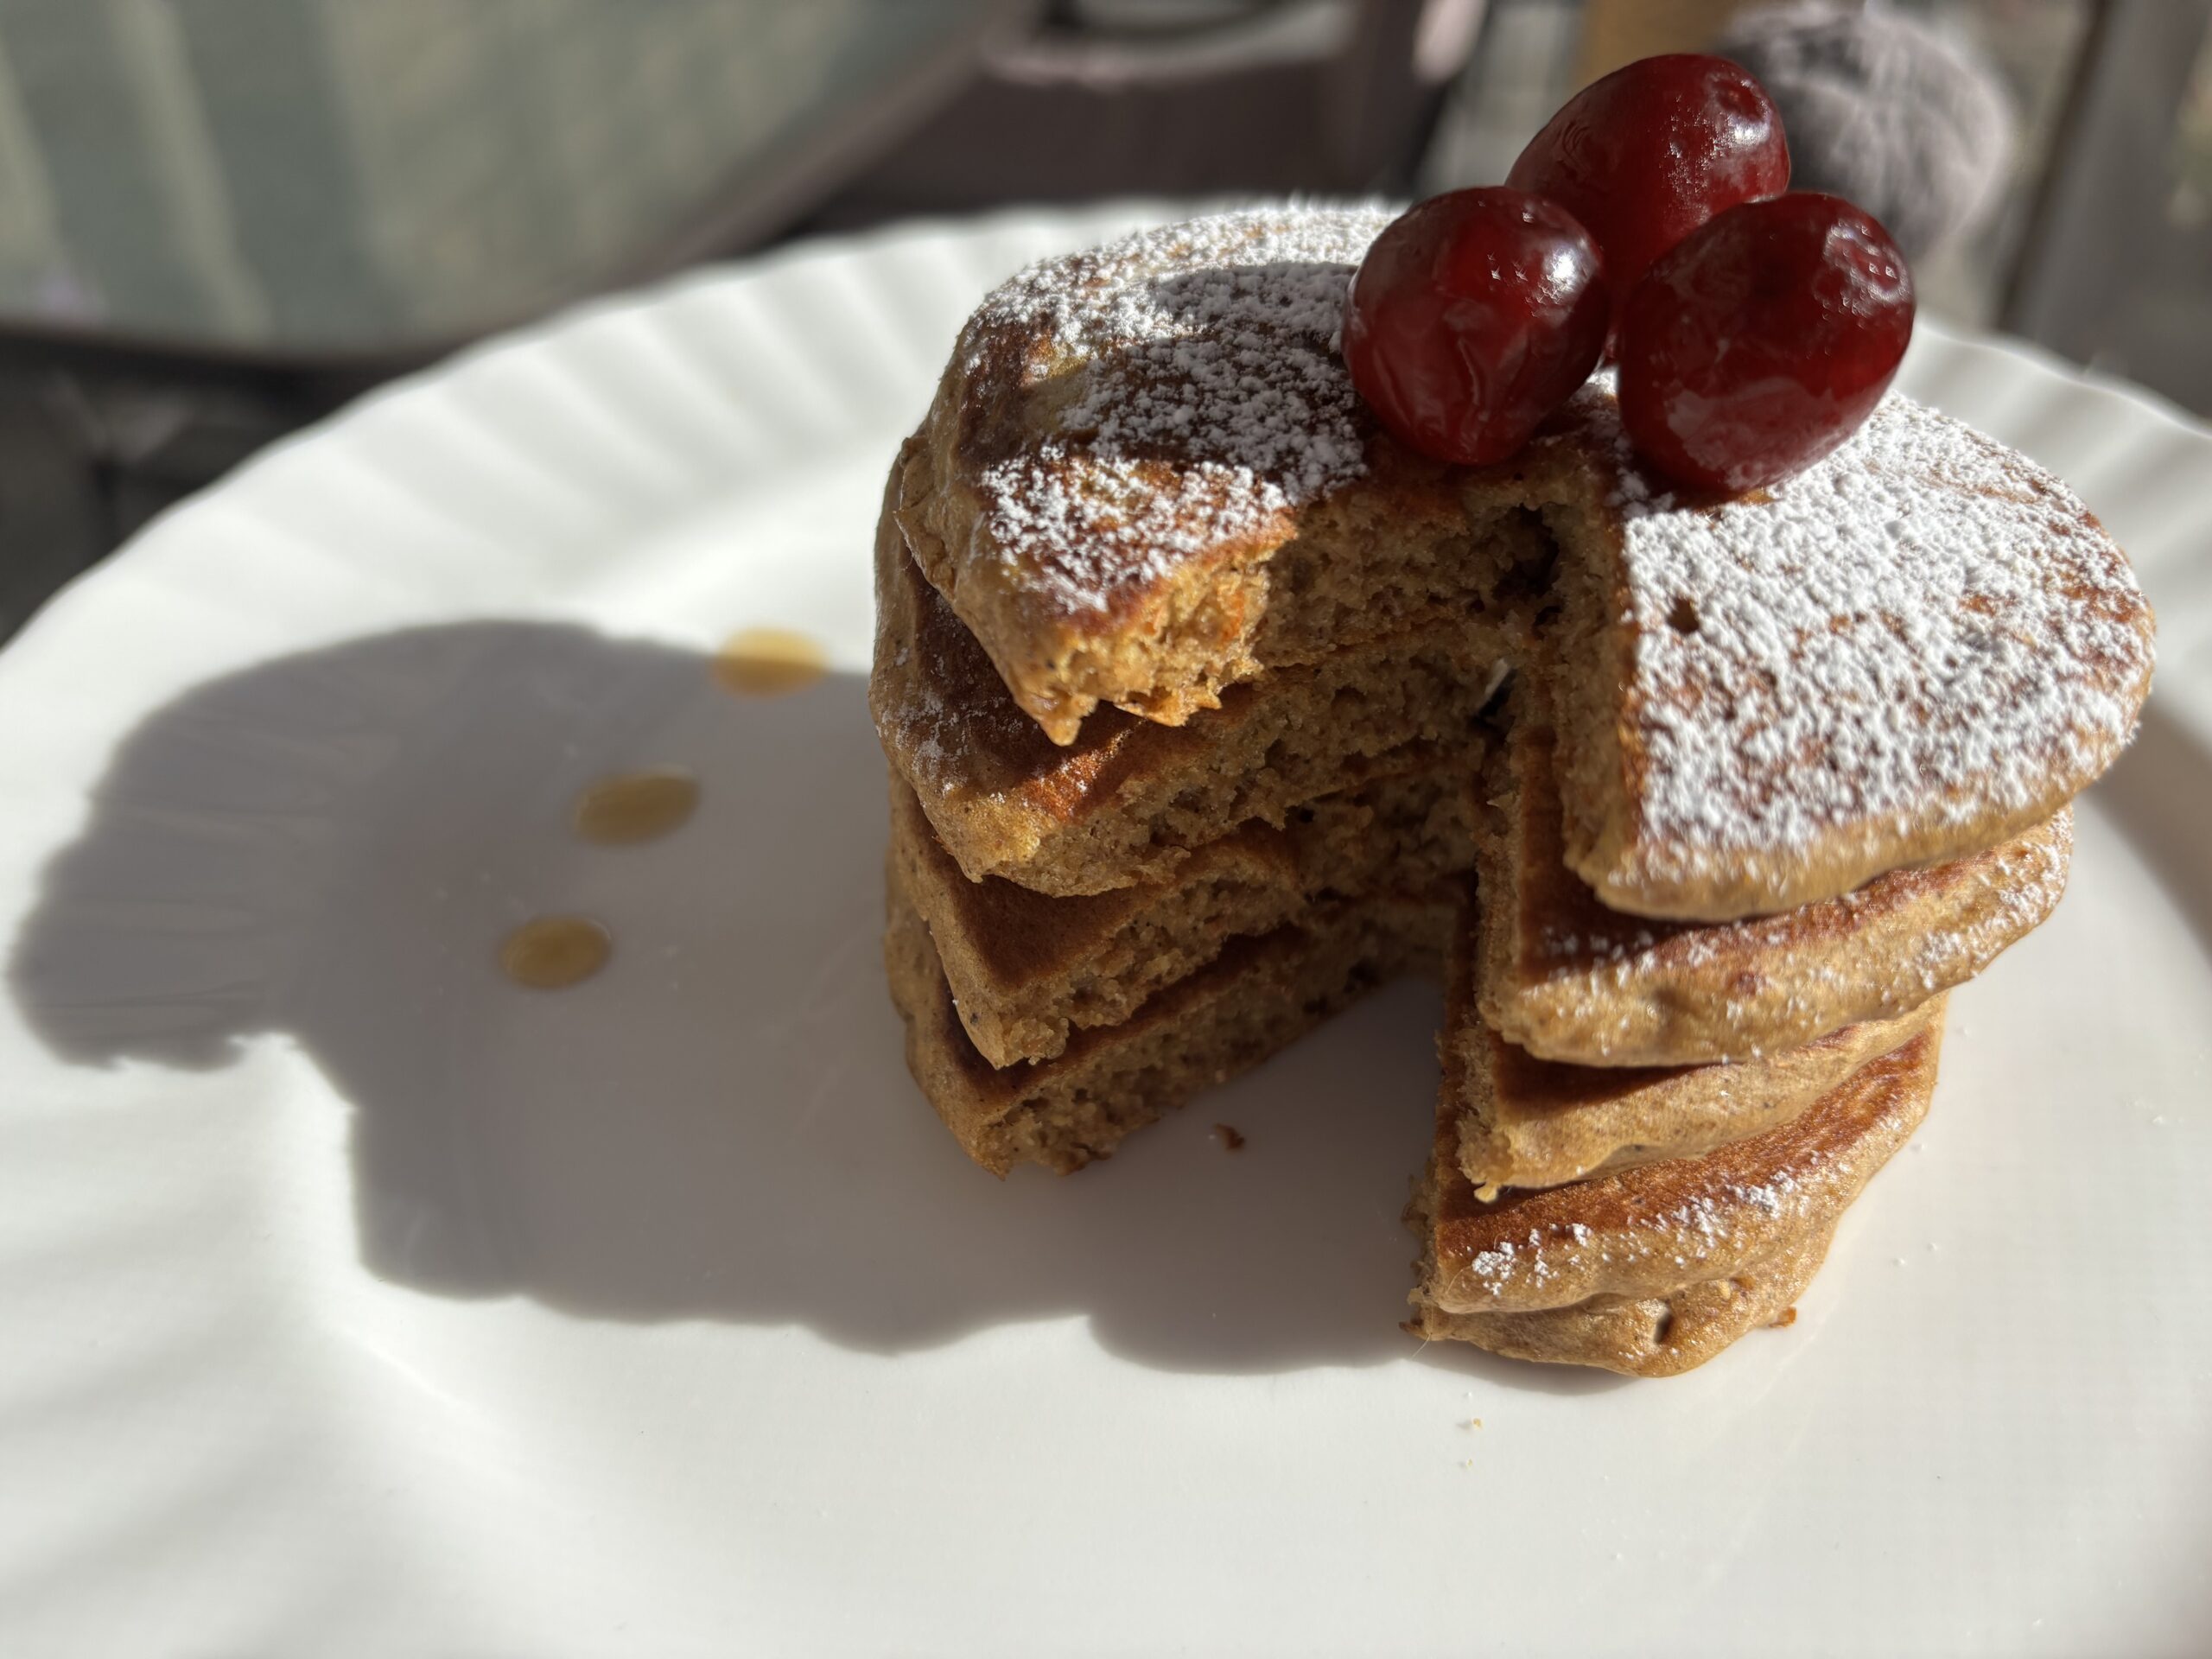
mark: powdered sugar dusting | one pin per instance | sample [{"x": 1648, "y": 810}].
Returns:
[
  {"x": 1922, "y": 623},
  {"x": 1204, "y": 398}
]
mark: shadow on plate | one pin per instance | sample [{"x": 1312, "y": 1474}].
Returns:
[{"x": 719, "y": 1126}]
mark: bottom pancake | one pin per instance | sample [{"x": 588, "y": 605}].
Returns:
[
  {"x": 1721, "y": 1239},
  {"x": 1260, "y": 994},
  {"x": 1644, "y": 1336}
]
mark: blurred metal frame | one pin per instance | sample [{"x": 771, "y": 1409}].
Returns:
[
  {"x": 101, "y": 428},
  {"x": 743, "y": 214},
  {"x": 1323, "y": 97},
  {"x": 2100, "y": 223}
]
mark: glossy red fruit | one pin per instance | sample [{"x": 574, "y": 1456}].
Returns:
[
  {"x": 1474, "y": 316},
  {"x": 1761, "y": 342},
  {"x": 1649, "y": 153}
]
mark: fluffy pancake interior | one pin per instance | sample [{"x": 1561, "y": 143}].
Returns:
[{"x": 1026, "y": 968}]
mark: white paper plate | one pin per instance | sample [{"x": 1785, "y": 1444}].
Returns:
[{"x": 351, "y": 1298}]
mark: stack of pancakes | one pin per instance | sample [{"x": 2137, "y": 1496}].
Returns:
[{"x": 1209, "y": 707}]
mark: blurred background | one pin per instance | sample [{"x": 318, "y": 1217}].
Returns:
[{"x": 220, "y": 219}]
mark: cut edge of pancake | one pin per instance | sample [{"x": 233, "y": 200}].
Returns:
[
  {"x": 1261, "y": 993},
  {"x": 1027, "y": 971}
]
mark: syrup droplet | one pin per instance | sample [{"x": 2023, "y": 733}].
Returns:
[
  {"x": 634, "y": 806},
  {"x": 768, "y": 662},
  {"x": 554, "y": 952}
]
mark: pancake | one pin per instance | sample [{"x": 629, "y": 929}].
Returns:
[
  {"x": 1261, "y": 993},
  {"x": 1644, "y": 1336},
  {"x": 1916, "y": 649},
  {"x": 1174, "y": 643},
  {"x": 1742, "y": 1213},
  {"x": 1525, "y": 1121},
  {"x": 1568, "y": 979},
  {"x": 1026, "y": 968},
  {"x": 1129, "y": 799},
  {"x": 1146, "y": 478}
]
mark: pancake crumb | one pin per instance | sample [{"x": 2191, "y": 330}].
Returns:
[
  {"x": 1231, "y": 1139},
  {"x": 1787, "y": 1317}
]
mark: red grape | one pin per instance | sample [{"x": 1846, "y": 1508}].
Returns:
[
  {"x": 1649, "y": 153},
  {"x": 1761, "y": 342},
  {"x": 1474, "y": 316}
]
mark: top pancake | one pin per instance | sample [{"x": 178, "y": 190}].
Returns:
[
  {"x": 1145, "y": 477},
  {"x": 1909, "y": 651}
]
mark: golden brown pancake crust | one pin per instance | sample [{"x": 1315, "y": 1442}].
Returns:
[
  {"x": 1026, "y": 968},
  {"x": 1642, "y": 1336}
]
